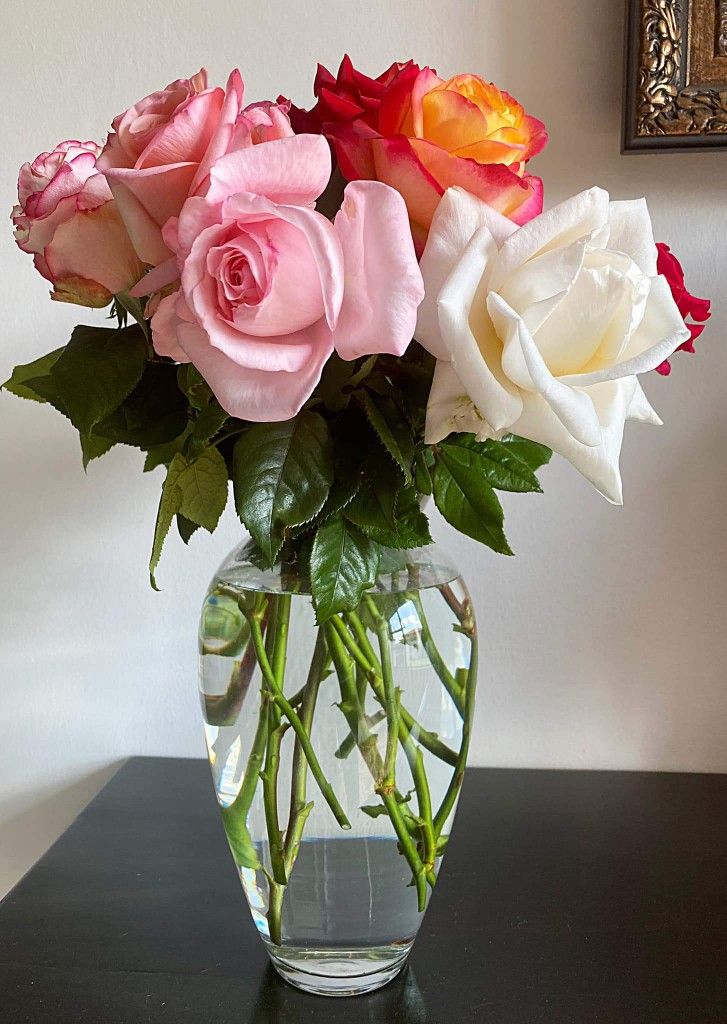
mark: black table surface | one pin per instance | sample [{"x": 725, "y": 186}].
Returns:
[{"x": 565, "y": 897}]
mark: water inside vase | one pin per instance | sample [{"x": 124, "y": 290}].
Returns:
[{"x": 349, "y": 909}]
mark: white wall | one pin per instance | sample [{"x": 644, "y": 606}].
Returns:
[{"x": 607, "y": 639}]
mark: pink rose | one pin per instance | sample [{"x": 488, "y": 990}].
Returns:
[
  {"x": 67, "y": 219},
  {"x": 162, "y": 148},
  {"x": 269, "y": 287}
]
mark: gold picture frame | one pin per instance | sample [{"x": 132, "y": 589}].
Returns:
[{"x": 676, "y": 75}]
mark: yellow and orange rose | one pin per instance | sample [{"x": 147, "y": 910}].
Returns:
[{"x": 425, "y": 134}]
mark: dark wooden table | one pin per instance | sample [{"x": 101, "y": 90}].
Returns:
[{"x": 566, "y": 897}]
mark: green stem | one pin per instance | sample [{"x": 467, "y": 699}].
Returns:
[
  {"x": 269, "y": 777},
  {"x": 470, "y": 686},
  {"x": 391, "y": 699},
  {"x": 299, "y": 808},
  {"x": 234, "y": 817},
  {"x": 223, "y": 709},
  {"x": 408, "y": 848},
  {"x": 365, "y": 739},
  {"x": 292, "y": 715},
  {"x": 437, "y": 661},
  {"x": 276, "y": 647},
  {"x": 413, "y": 752},
  {"x": 349, "y": 744},
  {"x": 280, "y": 647},
  {"x": 363, "y": 653},
  {"x": 275, "y": 913},
  {"x": 384, "y": 784}
]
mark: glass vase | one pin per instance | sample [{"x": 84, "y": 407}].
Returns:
[{"x": 337, "y": 753}]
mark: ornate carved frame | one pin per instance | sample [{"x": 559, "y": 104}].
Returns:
[{"x": 676, "y": 75}]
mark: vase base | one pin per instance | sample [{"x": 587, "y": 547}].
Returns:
[{"x": 338, "y": 972}]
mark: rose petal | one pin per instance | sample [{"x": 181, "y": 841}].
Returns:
[
  {"x": 613, "y": 402},
  {"x": 632, "y": 233},
  {"x": 519, "y": 198},
  {"x": 450, "y": 409},
  {"x": 164, "y": 328},
  {"x": 291, "y": 170},
  {"x": 476, "y": 360},
  {"x": 94, "y": 245},
  {"x": 397, "y": 165},
  {"x": 580, "y": 217},
  {"x": 146, "y": 200},
  {"x": 219, "y": 142},
  {"x": 525, "y": 366},
  {"x": 186, "y": 136},
  {"x": 156, "y": 279},
  {"x": 383, "y": 283},
  {"x": 457, "y": 218},
  {"x": 661, "y": 331},
  {"x": 259, "y": 396}
]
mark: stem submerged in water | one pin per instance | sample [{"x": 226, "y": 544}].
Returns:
[{"x": 344, "y": 641}]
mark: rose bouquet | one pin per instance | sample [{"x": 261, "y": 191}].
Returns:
[{"x": 344, "y": 311}]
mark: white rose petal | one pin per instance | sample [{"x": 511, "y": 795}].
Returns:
[{"x": 541, "y": 330}]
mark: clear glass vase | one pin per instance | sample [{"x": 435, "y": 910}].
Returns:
[{"x": 337, "y": 753}]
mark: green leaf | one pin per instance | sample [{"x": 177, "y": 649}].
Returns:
[
  {"x": 374, "y": 810},
  {"x": 47, "y": 391},
  {"x": 186, "y": 527},
  {"x": 203, "y": 484},
  {"x": 374, "y": 505},
  {"x": 412, "y": 525},
  {"x": 530, "y": 452},
  {"x": 96, "y": 371},
  {"x": 282, "y": 475},
  {"x": 169, "y": 504},
  {"x": 93, "y": 447},
  {"x": 501, "y": 464},
  {"x": 364, "y": 370},
  {"x": 154, "y": 413},
  {"x": 392, "y": 429},
  {"x": 239, "y": 840},
  {"x": 193, "y": 385},
  {"x": 18, "y": 384},
  {"x": 209, "y": 422},
  {"x": 343, "y": 489},
  {"x": 196, "y": 490},
  {"x": 466, "y": 499},
  {"x": 162, "y": 454},
  {"x": 337, "y": 374},
  {"x": 344, "y": 563},
  {"x": 408, "y": 526},
  {"x": 422, "y": 475}
]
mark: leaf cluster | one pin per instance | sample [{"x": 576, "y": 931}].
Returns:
[{"x": 335, "y": 488}]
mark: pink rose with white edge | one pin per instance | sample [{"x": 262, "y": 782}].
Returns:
[{"x": 67, "y": 219}]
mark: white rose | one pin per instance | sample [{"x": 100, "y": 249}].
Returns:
[{"x": 541, "y": 330}]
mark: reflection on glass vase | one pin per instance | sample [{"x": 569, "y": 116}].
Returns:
[{"x": 337, "y": 753}]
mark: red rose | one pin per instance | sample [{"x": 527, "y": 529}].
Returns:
[
  {"x": 422, "y": 135},
  {"x": 688, "y": 304},
  {"x": 349, "y": 96}
]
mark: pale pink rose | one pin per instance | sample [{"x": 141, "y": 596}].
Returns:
[
  {"x": 67, "y": 219},
  {"x": 156, "y": 152},
  {"x": 162, "y": 148},
  {"x": 263, "y": 121},
  {"x": 269, "y": 287}
]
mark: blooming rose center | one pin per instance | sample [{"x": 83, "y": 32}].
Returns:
[
  {"x": 265, "y": 278},
  {"x": 591, "y": 325}
]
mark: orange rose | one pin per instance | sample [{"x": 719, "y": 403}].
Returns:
[{"x": 430, "y": 134}]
